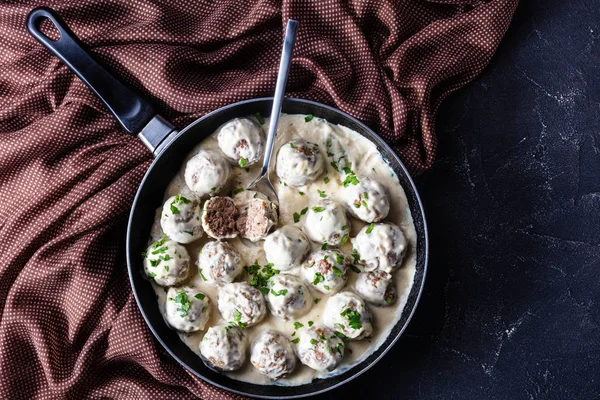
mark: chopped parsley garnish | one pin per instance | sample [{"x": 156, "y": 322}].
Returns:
[
  {"x": 204, "y": 308},
  {"x": 301, "y": 193},
  {"x": 339, "y": 326},
  {"x": 353, "y": 318},
  {"x": 310, "y": 265},
  {"x": 239, "y": 190},
  {"x": 345, "y": 239},
  {"x": 200, "y": 296},
  {"x": 326, "y": 180},
  {"x": 355, "y": 255},
  {"x": 212, "y": 189},
  {"x": 255, "y": 195},
  {"x": 294, "y": 334},
  {"x": 304, "y": 210},
  {"x": 354, "y": 268},
  {"x": 313, "y": 341},
  {"x": 341, "y": 335},
  {"x": 189, "y": 233},
  {"x": 144, "y": 254},
  {"x": 339, "y": 259},
  {"x": 308, "y": 118},
  {"x": 364, "y": 203},
  {"x": 282, "y": 292},
  {"x": 298, "y": 325},
  {"x": 318, "y": 278},
  {"x": 174, "y": 209},
  {"x": 334, "y": 165},
  {"x": 260, "y": 277},
  {"x": 322, "y": 193},
  {"x": 296, "y": 341},
  {"x": 237, "y": 316},
  {"x": 388, "y": 300},
  {"x": 324, "y": 246},
  {"x": 317, "y": 301},
  {"x": 160, "y": 242},
  {"x": 292, "y": 145},
  {"x": 154, "y": 263},
  {"x": 167, "y": 268},
  {"x": 161, "y": 250},
  {"x": 370, "y": 228},
  {"x": 259, "y": 118},
  {"x": 242, "y": 162},
  {"x": 318, "y": 209},
  {"x": 310, "y": 323},
  {"x": 338, "y": 272},
  {"x": 366, "y": 195},
  {"x": 350, "y": 178},
  {"x": 326, "y": 287},
  {"x": 296, "y": 217},
  {"x": 152, "y": 275},
  {"x": 356, "y": 205},
  {"x": 201, "y": 274},
  {"x": 339, "y": 347},
  {"x": 183, "y": 303}
]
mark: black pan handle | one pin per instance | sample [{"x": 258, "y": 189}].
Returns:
[{"x": 132, "y": 111}]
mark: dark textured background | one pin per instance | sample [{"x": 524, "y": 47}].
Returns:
[{"x": 511, "y": 304}]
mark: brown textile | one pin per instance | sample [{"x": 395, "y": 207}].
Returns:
[{"x": 68, "y": 174}]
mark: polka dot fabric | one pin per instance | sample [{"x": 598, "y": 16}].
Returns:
[{"x": 70, "y": 327}]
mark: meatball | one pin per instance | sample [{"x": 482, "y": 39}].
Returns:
[
  {"x": 180, "y": 219},
  {"x": 187, "y": 309},
  {"x": 256, "y": 219},
  {"x": 367, "y": 200},
  {"x": 376, "y": 287},
  {"x": 326, "y": 222},
  {"x": 272, "y": 355},
  {"x": 224, "y": 347},
  {"x": 286, "y": 248},
  {"x": 347, "y": 313},
  {"x": 167, "y": 262},
  {"x": 326, "y": 271},
  {"x": 241, "y": 304},
  {"x": 241, "y": 141},
  {"x": 288, "y": 296},
  {"x": 219, "y": 263},
  {"x": 206, "y": 173},
  {"x": 219, "y": 216},
  {"x": 320, "y": 348},
  {"x": 299, "y": 162},
  {"x": 380, "y": 246}
]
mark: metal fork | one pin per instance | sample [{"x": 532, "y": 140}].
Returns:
[{"x": 263, "y": 180}]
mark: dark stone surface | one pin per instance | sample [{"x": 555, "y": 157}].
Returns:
[{"x": 511, "y": 308}]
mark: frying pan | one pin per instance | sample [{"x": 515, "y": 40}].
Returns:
[{"x": 139, "y": 117}]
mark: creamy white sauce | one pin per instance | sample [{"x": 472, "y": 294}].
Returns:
[{"x": 365, "y": 161}]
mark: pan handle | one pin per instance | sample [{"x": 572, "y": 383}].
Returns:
[{"x": 136, "y": 114}]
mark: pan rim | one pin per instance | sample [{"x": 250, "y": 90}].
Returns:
[{"x": 419, "y": 209}]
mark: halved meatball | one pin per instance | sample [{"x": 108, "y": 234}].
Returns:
[
  {"x": 380, "y": 246},
  {"x": 320, "y": 348},
  {"x": 347, "y": 313},
  {"x": 241, "y": 304},
  {"x": 299, "y": 162},
  {"x": 219, "y": 262},
  {"x": 286, "y": 248},
  {"x": 368, "y": 200},
  {"x": 224, "y": 347},
  {"x": 187, "y": 309},
  {"x": 241, "y": 140},
  {"x": 326, "y": 271},
  {"x": 376, "y": 287},
  {"x": 219, "y": 217},
  {"x": 167, "y": 262},
  {"x": 326, "y": 222},
  {"x": 288, "y": 297},
  {"x": 272, "y": 354},
  {"x": 206, "y": 173},
  {"x": 256, "y": 219},
  {"x": 180, "y": 219}
]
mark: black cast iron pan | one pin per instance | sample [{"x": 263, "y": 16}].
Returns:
[{"x": 138, "y": 117}]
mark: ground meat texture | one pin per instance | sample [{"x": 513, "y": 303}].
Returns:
[
  {"x": 376, "y": 288},
  {"x": 241, "y": 141},
  {"x": 320, "y": 348},
  {"x": 224, "y": 347},
  {"x": 326, "y": 222},
  {"x": 241, "y": 304},
  {"x": 219, "y": 218},
  {"x": 326, "y": 271},
  {"x": 368, "y": 200},
  {"x": 167, "y": 262},
  {"x": 187, "y": 309},
  {"x": 288, "y": 297},
  {"x": 219, "y": 263},
  {"x": 347, "y": 313},
  {"x": 299, "y": 162},
  {"x": 380, "y": 246},
  {"x": 272, "y": 355},
  {"x": 206, "y": 173},
  {"x": 257, "y": 219},
  {"x": 286, "y": 248},
  {"x": 180, "y": 219}
]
